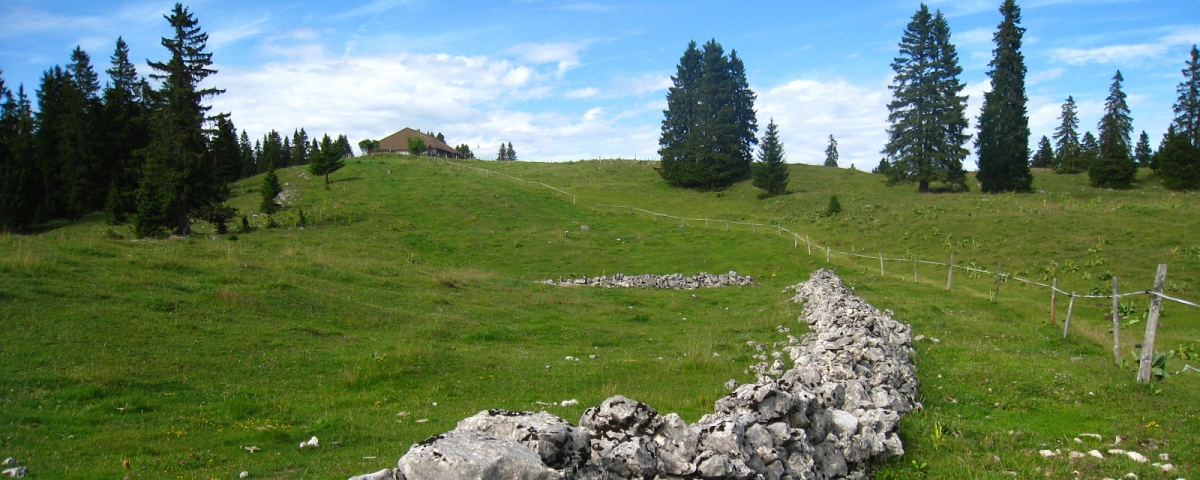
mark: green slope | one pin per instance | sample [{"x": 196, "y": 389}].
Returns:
[{"x": 418, "y": 286}]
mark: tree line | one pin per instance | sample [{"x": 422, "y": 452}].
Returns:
[
  {"x": 709, "y": 126},
  {"x": 140, "y": 149}
]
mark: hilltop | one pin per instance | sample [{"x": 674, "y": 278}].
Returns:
[{"x": 419, "y": 286}]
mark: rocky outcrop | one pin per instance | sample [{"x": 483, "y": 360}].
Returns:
[
  {"x": 830, "y": 416},
  {"x": 675, "y": 281}
]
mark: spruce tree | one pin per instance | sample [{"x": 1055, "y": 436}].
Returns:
[
  {"x": 286, "y": 153},
  {"x": 343, "y": 145},
  {"x": 247, "y": 150},
  {"x": 1044, "y": 157},
  {"x": 831, "y": 153},
  {"x": 503, "y": 155},
  {"x": 126, "y": 131},
  {"x": 300, "y": 151},
  {"x": 1187, "y": 106},
  {"x": 1068, "y": 157},
  {"x": 1089, "y": 150},
  {"x": 1003, "y": 140},
  {"x": 883, "y": 167},
  {"x": 180, "y": 176},
  {"x": 510, "y": 154},
  {"x": 927, "y": 114},
  {"x": 272, "y": 152},
  {"x": 708, "y": 129},
  {"x": 1178, "y": 161},
  {"x": 1114, "y": 167},
  {"x": 1143, "y": 152},
  {"x": 327, "y": 159},
  {"x": 225, "y": 150},
  {"x": 270, "y": 189},
  {"x": 770, "y": 172},
  {"x": 20, "y": 192}
]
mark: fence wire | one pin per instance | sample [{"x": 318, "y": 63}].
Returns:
[{"x": 798, "y": 238}]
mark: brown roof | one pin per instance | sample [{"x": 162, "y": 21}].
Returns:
[{"x": 398, "y": 142}]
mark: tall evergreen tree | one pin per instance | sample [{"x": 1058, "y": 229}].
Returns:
[
  {"x": 343, "y": 145},
  {"x": 708, "y": 129},
  {"x": 1089, "y": 150},
  {"x": 20, "y": 193},
  {"x": 286, "y": 152},
  {"x": 272, "y": 152},
  {"x": 225, "y": 150},
  {"x": 270, "y": 190},
  {"x": 502, "y": 155},
  {"x": 125, "y": 132},
  {"x": 1143, "y": 153},
  {"x": 1114, "y": 168},
  {"x": 1003, "y": 141},
  {"x": 770, "y": 173},
  {"x": 831, "y": 152},
  {"x": 510, "y": 154},
  {"x": 327, "y": 159},
  {"x": 1187, "y": 106},
  {"x": 927, "y": 112},
  {"x": 247, "y": 150},
  {"x": 1068, "y": 158},
  {"x": 300, "y": 151},
  {"x": 1044, "y": 158},
  {"x": 180, "y": 180},
  {"x": 1178, "y": 161}
]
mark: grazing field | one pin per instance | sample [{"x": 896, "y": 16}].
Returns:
[{"x": 409, "y": 301}]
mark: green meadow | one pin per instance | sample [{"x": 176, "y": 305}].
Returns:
[{"x": 408, "y": 298}]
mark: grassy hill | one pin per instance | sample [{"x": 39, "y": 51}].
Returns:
[{"x": 416, "y": 287}]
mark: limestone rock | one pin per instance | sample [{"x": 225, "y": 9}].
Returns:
[
  {"x": 559, "y": 444},
  {"x": 471, "y": 455}
]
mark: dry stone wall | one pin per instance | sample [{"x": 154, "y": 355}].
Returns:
[
  {"x": 675, "y": 281},
  {"x": 830, "y": 416}
]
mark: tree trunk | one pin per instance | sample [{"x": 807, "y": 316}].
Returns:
[
  {"x": 182, "y": 227},
  {"x": 327, "y": 181},
  {"x": 924, "y": 186}
]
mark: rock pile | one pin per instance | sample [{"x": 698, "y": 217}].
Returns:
[
  {"x": 675, "y": 280},
  {"x": 828, "y": 417}
]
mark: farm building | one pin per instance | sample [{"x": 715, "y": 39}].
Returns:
[{"x": 398, "y": 143}]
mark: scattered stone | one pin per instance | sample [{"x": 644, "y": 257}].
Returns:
[
  {"x": 1131, "y": 475},
  {"x": 254, "y": 448},
  {"x": 385, "y": 474},
  {"x": 1047, "y": 453},
  {"x": 674, "y": 281},
  {"x": 1076, "y": 455},
  {"x": 244, "y": 474},
  {"x": 570, "y": 403},
  {"x": 422, "y": 420},
  {"x": 15, "y": 472},
  {"x": 1166, "y": 467},
  {"x": 311, "y": 443},
  {"x": 731, "y": 385},
  {"x": 570, "y": 359},
  {"x": 1164, "y": 457},
  {"x": 1096, "y": 453},
  {"x": 8, "y": 461},
  {"x": 832, "y": 415},
  {"x": 592, "y": 356},
  {"x": 1092, "y": 435},
  {"x": 1137, "y": 457}
]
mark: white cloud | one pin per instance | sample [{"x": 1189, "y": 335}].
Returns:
[
  {"x": 1044, "y": 75},
  {"x": 469, "y": 99},
  {"x": 565, "y": 54},
  {"x": 227, "y": 35},
  {"x": 1128, "y": 53},
  {"x": 582, "y": 93},
  {"x": 808, "y": 111}
]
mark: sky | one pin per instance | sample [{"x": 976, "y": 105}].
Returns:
[{"x": 584, "y": 79}]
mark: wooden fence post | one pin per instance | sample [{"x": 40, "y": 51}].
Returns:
[
  {"x": 852, "y": 258},
  {"x": 726, "y": 224},
  {"x": 881, "y": 264},
  {"x": 808, "y": 241},
  {"x": 999, "y": 272},
  {"x": 1070, "y": 311},
  {"x": 706, "y": 223},
  {"x": 1116, "y": 316},
  {"x": 752, "y": 228},
  {"x": 795, "y": 241},
  {"x": 1053, "y": 298},
  {"x": 1152, "y": 325},
  {"x": 827, "y": 254},
  {"x": 915, "y": 279},
  {"x": 950, "y": 273}
]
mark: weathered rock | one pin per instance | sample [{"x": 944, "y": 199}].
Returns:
[
  {"x": 828, "y": 417},
  {"x": 674, "y": 281},
  {"x": 471, "y": 455},
  {"x": 385, "y": 474},
  {"x": 559, "y": 444}
]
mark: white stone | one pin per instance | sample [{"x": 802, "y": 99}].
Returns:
[
  {"x": 1047, "y": 453},
  {"x": 311, "y": 443},
  {"x": 1096, "y": 453}
]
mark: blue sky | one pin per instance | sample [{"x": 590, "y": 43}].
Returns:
[{"x": 566, "y": 80}]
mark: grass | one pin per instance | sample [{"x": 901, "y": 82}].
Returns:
[{"x": 418, "y": 286}]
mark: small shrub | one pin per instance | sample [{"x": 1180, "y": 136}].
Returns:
[
  {"x": 245, "y": 225},
  {"x": 834, "y": 207}
]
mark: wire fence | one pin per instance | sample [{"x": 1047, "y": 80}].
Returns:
[{"x": 1156, "y": 293}]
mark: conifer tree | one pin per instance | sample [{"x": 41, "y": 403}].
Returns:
[
  {"x": 465, "y": 150},
  {"x": 1178, "y": 161},
  {"x": 1089, "y": 150},
  {"x": 225, "y": 150},
  {"x": 343, "y": 145},
  {"x": 1044, "y": 158},
  {"x": 1003, "y": 140},
  {"x": 510, "y": 154},
  {"x": 882, "y": 168},
  {"x": 1068, "y": 157},
  {"x": 180, "y": 181},
  {"x": 831, "y": 153},
  {"x": 327, "y": 159},
  {"x": 286, "y": 153},
  {"x": 1187, "y": 106},
  {"x": 272, "y": 152},
  {"x": 1114, "y": 167},
  {"x": 125, "y": 132},
  {"x": 1142, "y": 152},
  {"x": 300, "y": 151},
  {"x": 770, "y": 173},
  {"x": 20, "y": 192},
  {"x": 708, "y": 129},
  {"x": 503, "y": 155},
  {"x": 270, "y": 189},
  {"x": 248, "y": 162},
  {"x": 928, "y": 111}
]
